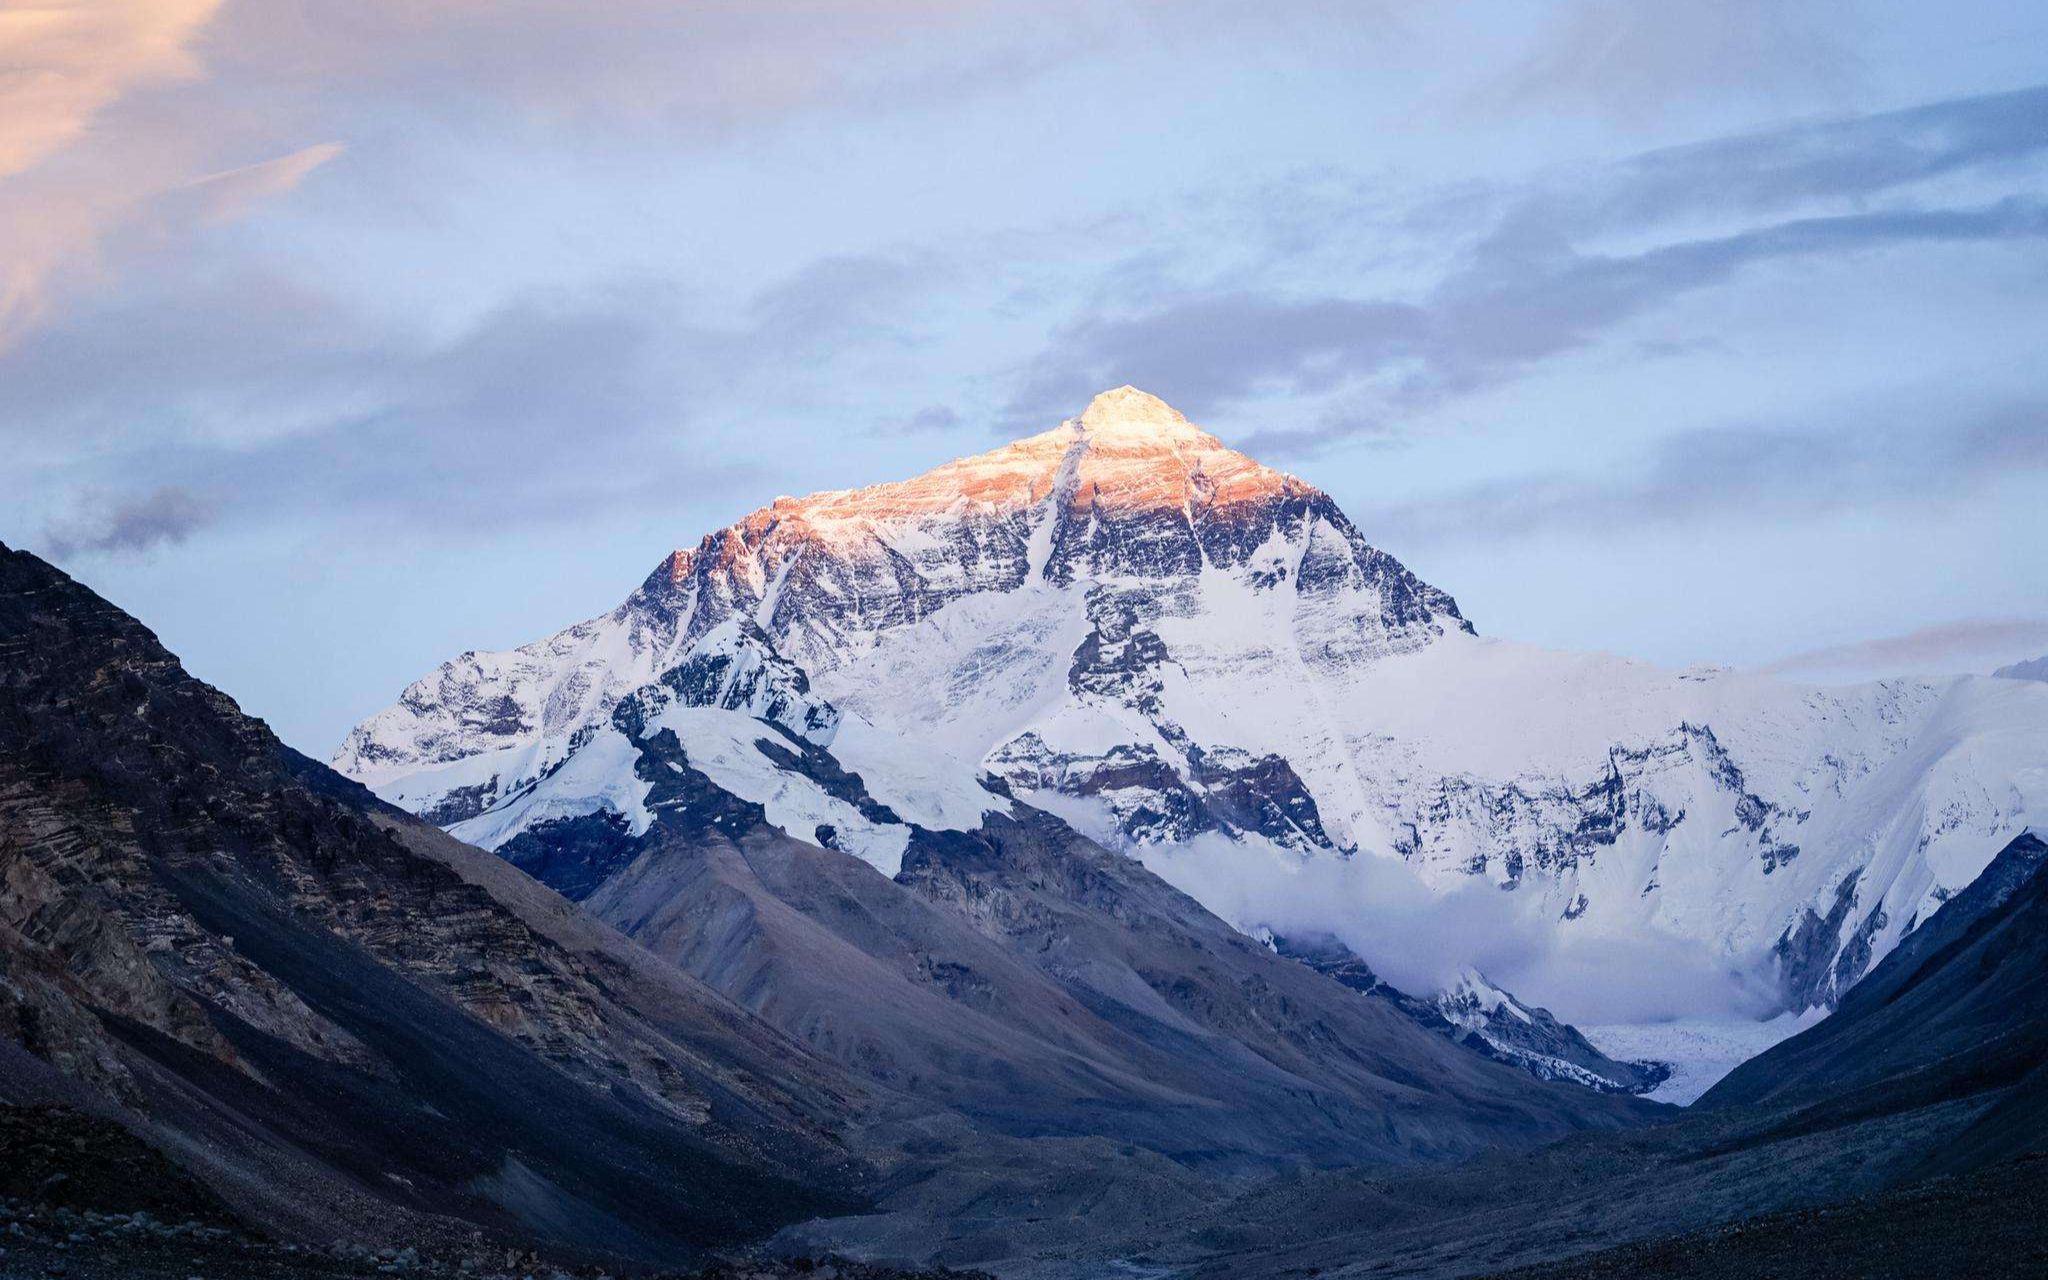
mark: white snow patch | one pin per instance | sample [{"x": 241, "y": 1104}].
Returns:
[
  {"x": 922, "y": 786},
  {"x": 725, "y": 747},
  {"x": 597, "y": 777},
  {"x": 1699, "y": 1051}
]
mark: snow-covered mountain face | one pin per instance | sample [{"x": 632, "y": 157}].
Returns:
[{"x": 1199, "y": 660}]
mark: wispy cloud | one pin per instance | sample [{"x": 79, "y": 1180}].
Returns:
[
  {"x": 217, "y": 197},
  {"x": 1533, "y": 287},
  {"x": 65, "y": 63},
  {"x": 1743, "y": 473},
  {"x": 1836, "y": 159},
  {"x": 1516, "y": 306},
  {"x": 1634, "y": 62},
  {"x": 933, "y": 419},
  {"x": 547, "y": 408},
  {"x": 1977, "y": 644}
]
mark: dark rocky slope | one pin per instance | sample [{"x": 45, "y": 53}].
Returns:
[
  {"x": 338, "y": 1017},
  {"x": 1986, "y": 1226}
]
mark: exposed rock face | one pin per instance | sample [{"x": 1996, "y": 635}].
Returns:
[
  {"x": 1495, "y": 1022},
  {"x": 1168, "y": 643},
  {"x": 346, "y": 1019}
]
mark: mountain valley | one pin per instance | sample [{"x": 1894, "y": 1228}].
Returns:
[{"x": 1092, "y": 857}]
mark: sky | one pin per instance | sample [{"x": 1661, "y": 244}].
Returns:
[{"x": 338, "y": 338}]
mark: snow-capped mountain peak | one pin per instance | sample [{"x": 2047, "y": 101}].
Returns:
[
  {"x": 1128, "y": 411},
  {"x": 1127, "y": 453},
  {"x": 1198, "y": 659}
]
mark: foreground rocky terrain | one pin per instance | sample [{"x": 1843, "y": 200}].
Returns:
[
  {"x": 83, "y": 1199},
  {"x": 1986, "y": 1226}
]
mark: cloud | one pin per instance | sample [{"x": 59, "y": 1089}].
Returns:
[
  {"x": 702, "y": 69},
  {"x": 707, "y": 70},
  {"x": 1977, "y": 643},
  {"x": 68, "y": 66},
  {"x": 1630, "y": 61},
  {"x": 1857, "y": 158},
  {"x": 105, "y": 524},
  {"x": 170, "y": 115},
  {"x": 1354, "y": 425},
  {"x": 1519, "y": 303},
  {"x": 219, "y": 197},
  {"x": 66, "y": 62},
  {"x": 294, "y": 403},
  {"x": 1204, "y": 350},
  {"x": 1536, "y": 284},
  {"x": 557, "y": 405},
  {"x": 134, "y": 198},
  {"x": 934, "y": 419},
  {"x": 832, "y": 293},
  {"x": 1746, "y": 472},
  {"x": 1419, "y": 937}
]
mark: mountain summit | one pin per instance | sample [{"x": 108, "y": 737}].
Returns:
[
  {"x": 1130, "y": 464},
  {"x": 1130, "y": 410},
  {"x": 1128, "y": 496},
  {"x": 1198, "y": 660}
]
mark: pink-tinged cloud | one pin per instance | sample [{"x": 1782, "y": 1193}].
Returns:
[
  {"x": 218, "y": 197},
  {"x": 63, "y": 61},
  {"x": 48, "y": 232},
  {"x": 1633, "y": 62},
  {"x": 1975, "y": 644}
]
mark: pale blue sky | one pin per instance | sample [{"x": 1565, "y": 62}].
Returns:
[{"x": 335, "y": 339}]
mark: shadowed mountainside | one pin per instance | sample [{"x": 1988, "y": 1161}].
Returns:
[{"x": 337, "y": 1016}]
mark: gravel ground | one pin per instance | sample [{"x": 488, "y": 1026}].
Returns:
[
  {"x": 83, "y": 1199},
  {"x": 42, "y": 1242},
  {"x": 1991, "y": 1225}
]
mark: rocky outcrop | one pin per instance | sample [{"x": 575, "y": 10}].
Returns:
[{"x": 2030, "y": 669}]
